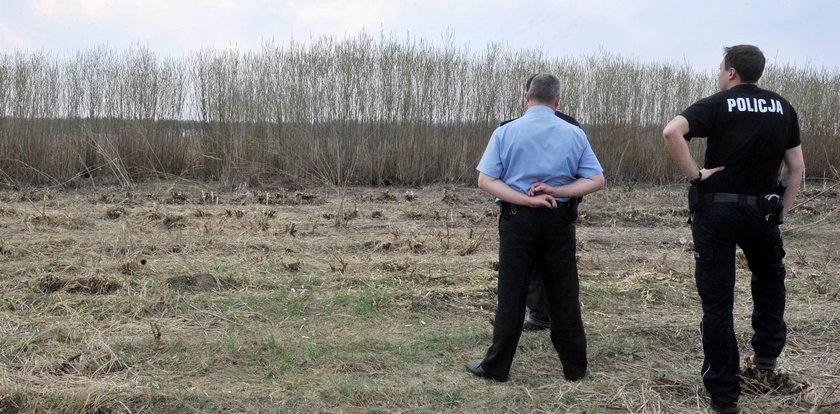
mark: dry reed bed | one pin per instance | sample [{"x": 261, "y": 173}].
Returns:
[
  {"x": 172, "y": 298},
  {"x": 367, "y": 110}
]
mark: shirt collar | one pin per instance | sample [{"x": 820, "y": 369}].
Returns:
[
  {"x": 745, "y": 86},
  {"x": 540, "y": 109}
]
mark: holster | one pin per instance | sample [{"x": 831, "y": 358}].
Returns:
[
  {"x": 574, "y": 203},
  {"x": 773, "y": 205},
  {"x": 507, "y": 210},
  {"x": 695, "y": 198}
]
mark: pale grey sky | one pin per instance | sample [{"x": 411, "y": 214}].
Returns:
[{"x": 794, "y": 32}]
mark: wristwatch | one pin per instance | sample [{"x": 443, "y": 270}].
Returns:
[{"x": 697, "y": 179}]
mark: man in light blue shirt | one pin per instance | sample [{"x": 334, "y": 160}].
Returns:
[
  {"x": 520, "y": 154},
  {"x": 536, "y": 166}
]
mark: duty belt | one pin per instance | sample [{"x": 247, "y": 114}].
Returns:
[
  {"x": 732, "y": 198},
  {"x": 513, "y": 208}
]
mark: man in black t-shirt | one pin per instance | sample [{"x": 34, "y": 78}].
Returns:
[{"x": 750, "y": 132}]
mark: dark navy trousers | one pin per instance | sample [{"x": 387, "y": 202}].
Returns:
[
  {"x": 717, "y": 229},
  {"x": 535, "y": 301},
  {"x": 543, "y": 237}
]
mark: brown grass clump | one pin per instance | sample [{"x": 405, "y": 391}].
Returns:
[
  {"x": 414, "y": 214},
  {"x": 40, "y": 220},
  {"x": 759, "y": 381},
  {"x": 377, "y": 245},
  {"x": 8, "y": 212},
  {"x": 469, "y": 247},
  {"x": 386, "y": 195},
  {"x": 48, "y": 283},
  {"x": 292, "y": 266},
  {"x": 200, "y": 282},
  {"x": 396, "y": 265},
  {"x": 12, "y": 403},
  {"x": 175, "y": 221},
  {"x": 114, "y": 213},
  {"x": 96, "y": 285},
  {"x": 132, "y": 267},
  {"x": 450, "y": 196}
]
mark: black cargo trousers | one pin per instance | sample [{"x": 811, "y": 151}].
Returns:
[
  {"x": 717, "y": 229},
  {"x": 543, "y": 237}
]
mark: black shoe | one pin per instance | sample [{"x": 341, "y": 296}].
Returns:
[
  {"x": 576, "y": 377},
  {"x": 476, "y": 369},
  {"x": 767, "y": 364},
  {"x": 529, "y": 326},
  {"x": 726, "y": 409}
]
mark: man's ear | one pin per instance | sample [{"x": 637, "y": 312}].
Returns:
[{"x": 527, "y": 96}]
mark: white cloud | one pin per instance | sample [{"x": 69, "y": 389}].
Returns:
[
  {"x": 72, "y": 10},
  {"x": 652, "y": 29},
  {"x": 49, "y": 8},
  {"x": 172, "y": 24},
  {"x": 139, "y": 13},
  {"x": 99, "y": 9},
  {"x": 11, "y": 39},
  {"x": 333, "y": 17}
]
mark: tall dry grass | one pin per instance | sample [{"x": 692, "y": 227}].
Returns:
[{"x": 367, "y": 110}]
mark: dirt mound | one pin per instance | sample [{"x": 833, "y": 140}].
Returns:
[
  {"x": 47, "y": 283},
  {"x": 199, "y": 282},
  {"x": 96, "y": 285},
  {"x": 760, "y": 381}
]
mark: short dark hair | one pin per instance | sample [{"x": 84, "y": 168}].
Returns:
[
  {"x": 544, "y": 87},
  {"x": 528, "y": 82},
  {"x": 747, "y": 60}
]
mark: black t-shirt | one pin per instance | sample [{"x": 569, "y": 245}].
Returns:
[{"x": 748, "y": 130}]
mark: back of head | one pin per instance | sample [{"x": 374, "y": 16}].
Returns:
[
  {"x": 543, "y": 87},
  {"x": 747, "y": 60}
]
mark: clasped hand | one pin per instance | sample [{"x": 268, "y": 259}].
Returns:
[{"x": 539, "y": 195}]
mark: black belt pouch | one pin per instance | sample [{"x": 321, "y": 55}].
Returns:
[{"x": 695, "y": 198}]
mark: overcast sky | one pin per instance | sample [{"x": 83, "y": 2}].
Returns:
[{"x": 795, "y": 32}]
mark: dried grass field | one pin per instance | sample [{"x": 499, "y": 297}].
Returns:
[{"x": 176, "y": 297}]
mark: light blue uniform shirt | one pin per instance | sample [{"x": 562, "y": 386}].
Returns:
[{"x": 538, "y": 147}]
